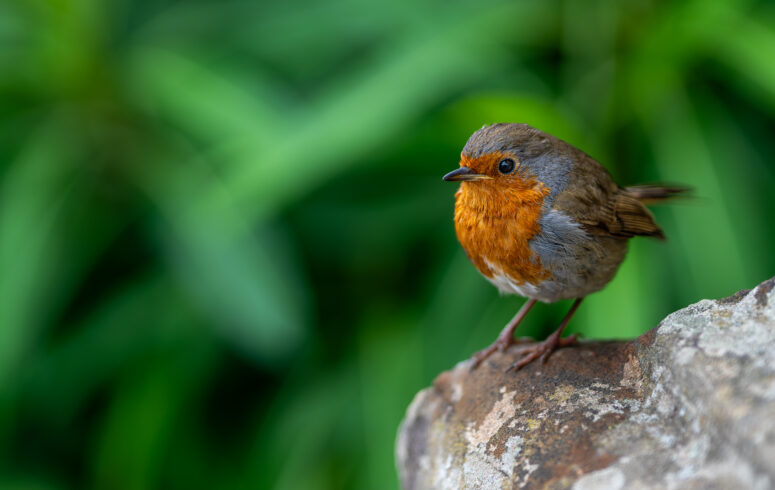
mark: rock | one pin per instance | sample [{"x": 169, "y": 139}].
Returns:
[{"x": 688, "y": 405}]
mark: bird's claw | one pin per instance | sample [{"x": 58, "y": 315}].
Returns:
[
  {"x": 541, "y": 351},
  {"x": 500, "y": 345}
]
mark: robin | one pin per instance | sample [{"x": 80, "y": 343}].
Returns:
[{"x": 540, "y": 218}]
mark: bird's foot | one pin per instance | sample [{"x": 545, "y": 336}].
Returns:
[
  {"x": 501, "y": 344},
  {"x": 542, "y": 350}
]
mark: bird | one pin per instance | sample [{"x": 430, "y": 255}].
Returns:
[{"x": 540, "y": 218}]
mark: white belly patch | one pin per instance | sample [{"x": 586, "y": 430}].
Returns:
[{"x": 506, "y": 284}]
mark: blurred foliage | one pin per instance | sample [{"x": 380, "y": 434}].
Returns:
[{"x": 226, "y": 255}]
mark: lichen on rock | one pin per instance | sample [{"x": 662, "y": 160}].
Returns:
[{"x": 690, "y": 404}]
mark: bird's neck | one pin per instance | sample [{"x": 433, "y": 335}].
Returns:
[{"x": 492, "y": 201}]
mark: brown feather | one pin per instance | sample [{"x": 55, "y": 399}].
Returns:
[
  {"x": 657, "y": 193},
  {"x": 633, "y": 218},
  {"x": 604, "y": 208}
]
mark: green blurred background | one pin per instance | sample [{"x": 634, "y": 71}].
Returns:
[{"x": 227, "y": 257}]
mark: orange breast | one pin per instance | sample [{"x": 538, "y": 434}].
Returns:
[{"x": 494, "y": 224}]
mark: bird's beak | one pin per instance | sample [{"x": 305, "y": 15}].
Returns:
[{"x": 464, "y": 174}]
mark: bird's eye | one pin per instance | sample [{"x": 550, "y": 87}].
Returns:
[{"x": 506, "y": 166}]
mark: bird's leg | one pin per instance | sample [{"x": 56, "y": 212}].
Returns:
[
  {"x": 553, "y": 342},
  {"x": 506, "y": 337}
]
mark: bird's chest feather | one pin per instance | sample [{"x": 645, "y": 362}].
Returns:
[{"x": 495, "y": 228}]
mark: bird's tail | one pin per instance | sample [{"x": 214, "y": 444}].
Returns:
[{"x": 657, "y": 193}]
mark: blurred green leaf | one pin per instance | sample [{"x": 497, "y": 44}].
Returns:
[
  {"x": 748, "y": 53},
  {"x": 682, "y": 155},
  {"x": 31, "y": 195},
  {"x": 142, "y": 318},
  {"x": 27, "y": 484},
  {"x": 302, "y": 424},
  {"x": 390, "y": 366},
  {"x": 138, "y": 427},
  {"x": 388, "y": 94},
  {"x": 247, "y": 285},
  {"x": 170, "y": 83}
]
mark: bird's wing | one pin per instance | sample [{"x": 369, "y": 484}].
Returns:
[
  {"x": 623, "y": 216},
  {"x": 596, "y": 202}
]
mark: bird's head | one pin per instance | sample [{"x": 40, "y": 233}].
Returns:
[{"x": 506, "y": 165}]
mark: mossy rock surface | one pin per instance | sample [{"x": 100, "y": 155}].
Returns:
[{"x": 690, "y": 404}]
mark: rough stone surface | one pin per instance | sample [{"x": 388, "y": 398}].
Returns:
[{"x": 688, "y": 405}]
